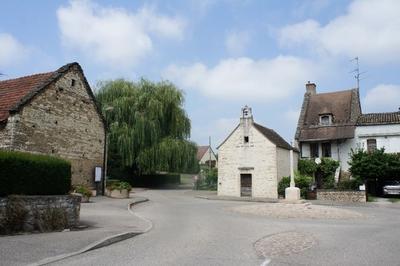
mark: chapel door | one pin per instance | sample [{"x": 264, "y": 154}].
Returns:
[{"x": 245, "y": 185}]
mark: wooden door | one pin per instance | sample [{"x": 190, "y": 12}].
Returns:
[{"x": 245, "y": 185}]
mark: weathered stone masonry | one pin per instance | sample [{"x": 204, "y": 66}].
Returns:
[{"x": 61, "y": 120}]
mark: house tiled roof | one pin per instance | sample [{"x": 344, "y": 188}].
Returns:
[
  {"x": 344, "y": 106},
  {"x": 201, "y": 150},
  {"x": 12, "y": 91},
  {"x": 273, "y": 137},
  {"x": 379, "y": 118}
]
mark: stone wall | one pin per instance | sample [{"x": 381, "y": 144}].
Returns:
[
  {"x": 62, "y": 121},
  {"x": 41, "y": 211},
  {"x": 342, "y": 196}
]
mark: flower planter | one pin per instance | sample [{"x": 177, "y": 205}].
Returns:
[{"x": 118, "y": 194}]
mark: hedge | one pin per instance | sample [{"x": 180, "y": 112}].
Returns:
[{"x": 32, "y": 174}]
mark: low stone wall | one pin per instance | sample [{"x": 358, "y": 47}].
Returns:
[
  {"x": 39, "y": 213},
  {"x": 342, "y": 196}
]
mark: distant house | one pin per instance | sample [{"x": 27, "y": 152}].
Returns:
[
  {"x": 252, "y": 160},
  {"x": 331, "y": 124},
  {"x": 54, "y": 113},
  {"x": 205, "y": 156}
]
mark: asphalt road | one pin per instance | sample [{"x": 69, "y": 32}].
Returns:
[{"x": 191, "y": 231}]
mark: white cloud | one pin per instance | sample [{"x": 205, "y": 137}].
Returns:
[
  {"x": 236, "y": 42},
  {"x": 244, "y": 78},
  {"x": 369, "y": 29},
  {"x": 11, "y": 50},
  {"x": 218, "y": 129},
  {"x": 382, "y": 98},
  {"x": 114, "y": 36}
]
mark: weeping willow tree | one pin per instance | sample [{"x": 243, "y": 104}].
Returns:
[{"x": 148, "y": 127}]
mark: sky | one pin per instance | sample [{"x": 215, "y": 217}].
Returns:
[{"x": 223, "y": 54}]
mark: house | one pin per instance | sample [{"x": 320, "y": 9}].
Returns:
[
  {"x": 332, "y": 124},
  {"x": 378, "y": 130},
  {"x": 55, "y": 113},
  {"x": 205, "y": 156},
  {"x": 252, "y": 160}
]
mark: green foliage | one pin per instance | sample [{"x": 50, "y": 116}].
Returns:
[
  {"x": 118, "y": 185},
  {"x": 352, "y": 184},
  {"x": 32, "y": 174},
  {"x": 326, "y": 169},
  {"x": 149, "y": 129},
  {"x": 208, "y": 179},
  {"x": 303, "y": 182},
  {"x": 83, "y": 189},
  {"x": 307, "y": 167},
  {"x": 374, "y": 165}
]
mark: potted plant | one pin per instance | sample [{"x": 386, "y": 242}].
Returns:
[
  {"x": 118, "y": 189},
  {"x": 84, "y": 191}
]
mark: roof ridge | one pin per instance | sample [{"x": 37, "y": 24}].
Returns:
[
  {"x": 379, "y": 113},
  {"x": 28, "y": 76},
  {"x": 330, "y": 92}
]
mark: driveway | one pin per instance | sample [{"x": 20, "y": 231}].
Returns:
[{"x": 191, "y": 231}]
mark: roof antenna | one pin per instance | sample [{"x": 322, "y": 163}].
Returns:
[{"x": 357, "y": 71}]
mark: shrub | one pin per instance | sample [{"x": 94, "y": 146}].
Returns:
[
  {"x": 32, "y": 174},
  {"x": 326, "y": 170},
  {"x": 376, "y": 165},
  {"x": 303, "y": 182},
  {"x": 352, "y": 184},
  {"x": 118, "y": 185},
  {"x": 84, "y": 190},
  {"x": 307, "y": 167}
]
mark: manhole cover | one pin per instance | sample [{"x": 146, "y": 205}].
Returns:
[{"x": 285, "y": 243}]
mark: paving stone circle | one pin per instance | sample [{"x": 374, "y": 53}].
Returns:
[{"x": 283, "y": 244}]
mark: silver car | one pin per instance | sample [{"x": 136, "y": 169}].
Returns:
[{"x": 391, "y": 187}]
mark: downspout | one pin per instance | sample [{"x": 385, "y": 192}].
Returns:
[{"x": 103, "y": 185}]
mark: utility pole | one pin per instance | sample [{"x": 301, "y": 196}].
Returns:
[{"x": 209, "y": 154}]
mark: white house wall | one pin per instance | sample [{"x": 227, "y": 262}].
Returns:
[
  {"x": 258, "y": 157},
  {"x": 387, "y": 136},
  {"x": 206, "y": 157}
]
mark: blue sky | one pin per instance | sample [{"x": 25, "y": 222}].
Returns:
[{"x": 223, "y": 54}]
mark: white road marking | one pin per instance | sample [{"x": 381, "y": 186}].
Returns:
[{"x": 266, "y": 262}]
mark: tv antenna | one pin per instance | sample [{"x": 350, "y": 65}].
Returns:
[{"x": 357, "y": 71}]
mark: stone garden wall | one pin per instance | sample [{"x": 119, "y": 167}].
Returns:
[
  {"x": 342, "y": 196},
  {"x": 39, "y": 213}
]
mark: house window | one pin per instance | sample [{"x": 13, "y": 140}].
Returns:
[
  {"x": 326, "y": 149},
  {"x": 325, "y": 120},
  {"x": 371, "y": 145},
  {"x": 314, "y": 150},
  {"x": 246, "y": 139},
  {"x": 72, "y": 82}
]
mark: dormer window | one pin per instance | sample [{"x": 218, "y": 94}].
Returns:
[{"x": 325, "y": 120}]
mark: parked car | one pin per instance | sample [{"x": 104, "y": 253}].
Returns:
[{"x": 391, "y": 187}]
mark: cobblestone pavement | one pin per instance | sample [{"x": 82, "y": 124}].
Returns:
[
  {"x": 301, "y": 211},
  {"x": 284, "y": 244}
]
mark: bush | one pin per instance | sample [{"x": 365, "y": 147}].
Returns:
[
  {"x": 376, "y": 165},
  {"x": 118, "y": 185},
  {"x": 303, "y": 182},
  {"x": 326, "y": 170},
  {"x": 32, "y": 174},
  {"x": 307, "y": 167},
  {"x": 348, "y": 185},
  {"x": 84, "y": 190}
]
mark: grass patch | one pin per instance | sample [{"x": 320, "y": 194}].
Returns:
[
  {"x": 372, "y": 199},
  {"x": 394, "y": 200}
]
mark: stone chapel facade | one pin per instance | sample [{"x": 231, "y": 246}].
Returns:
[
  {"x": 252, "y": 160},
  {"x": 55, "y": 113}
]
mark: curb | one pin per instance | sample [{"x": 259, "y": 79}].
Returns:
[
  {"x": 103, "y": 242},
  {"x": 239, "y": 199}
]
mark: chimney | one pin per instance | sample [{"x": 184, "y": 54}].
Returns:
[{"x": 311, "y": 88}]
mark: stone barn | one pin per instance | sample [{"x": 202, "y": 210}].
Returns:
[
  {"x": 252, "y": 160},
  {"x": 55, "y": 113}
]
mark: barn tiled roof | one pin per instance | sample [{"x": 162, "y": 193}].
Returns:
[
  {"x": 15, "y": 93},
  {"x": 379, "y": 118},
  {"x": 273, "y": 137},
  {"x": 201, "y": 150},
  {"x": 12, "y": 91}
]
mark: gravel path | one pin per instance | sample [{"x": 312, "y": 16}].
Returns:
[{"x": 301, "y": 211}]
